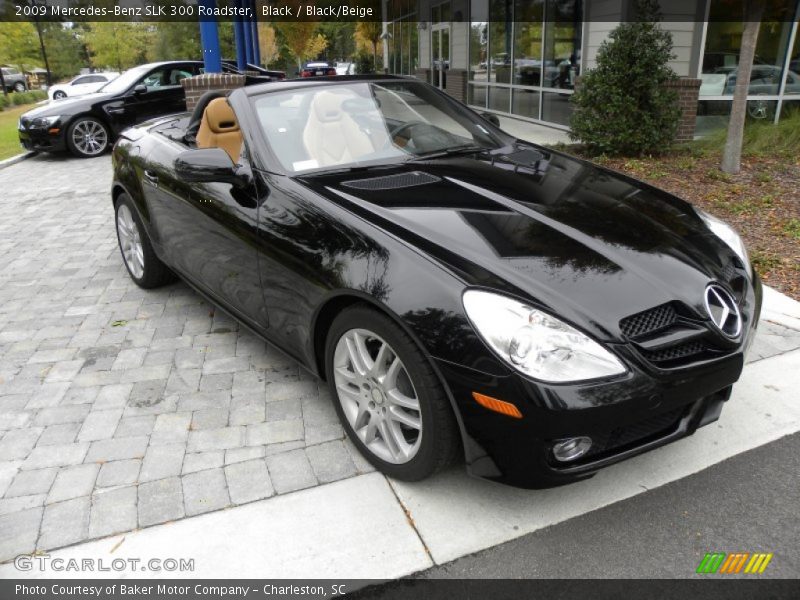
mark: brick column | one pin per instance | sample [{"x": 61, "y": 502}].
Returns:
[
  {"x": 456, "y": 84},
  {"x": 688, "y": 90},
  {"x": 196, "y": 86}
]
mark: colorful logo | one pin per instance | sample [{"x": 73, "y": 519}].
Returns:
[{"x": 736, "y": 562}]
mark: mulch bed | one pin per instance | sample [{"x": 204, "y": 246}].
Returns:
[{"x": 762, "y": 202}]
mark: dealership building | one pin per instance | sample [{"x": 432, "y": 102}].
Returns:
[{"x": 522, "y": 58}]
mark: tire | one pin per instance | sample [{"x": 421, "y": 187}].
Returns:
[
  {"x": 88, "y": 137},
  {"x": 58, "y": 95},
  {"x": 19, "y": 87},
  {"x": 144, "y": 267},
  {"x": 371, "y": 417}
]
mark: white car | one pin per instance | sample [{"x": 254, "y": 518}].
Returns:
[
  {"x": 345, "y": 68},
  {"x": 81, "y": 85}
]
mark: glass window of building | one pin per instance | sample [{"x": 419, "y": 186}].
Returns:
[
  {"x": 772, "y": 63},
  {"x": 523, "y": 49}
]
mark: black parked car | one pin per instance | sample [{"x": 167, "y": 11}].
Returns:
[
  {"x": 460, "y": 290},
  {"x": 318, "y": 68},
  {"x": 87, "y": 125}
]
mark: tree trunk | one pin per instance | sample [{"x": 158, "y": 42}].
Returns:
[{"x": 732, "y": 154}]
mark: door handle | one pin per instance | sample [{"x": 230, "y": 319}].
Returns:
[{"x": 151, "y": 177}]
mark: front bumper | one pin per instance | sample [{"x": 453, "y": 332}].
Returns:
[
  {"x": 624, "y": 417},
  {"x": 40, "y": 140}
]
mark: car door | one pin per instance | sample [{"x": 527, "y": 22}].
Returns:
[
  {"x": 208, "y": 231},
  {"x": 80, "y": 85}
]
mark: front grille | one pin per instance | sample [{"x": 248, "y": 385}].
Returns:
[
  {"x": 392, "y": 182},
  {"x": 621, "y": 438},
  {"x": 675, "y": 352},
  {"x": 648, "y": 321}
]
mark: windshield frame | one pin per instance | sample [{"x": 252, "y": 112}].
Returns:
[{"x": 273, "y": 164}]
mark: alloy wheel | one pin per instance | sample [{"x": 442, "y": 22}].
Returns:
[
  {"x": 59, "y": 95},
  {"x": 89, "y": 137},
  {"x": 377, "y": 396},
  {"x": 130, "y": 241}
]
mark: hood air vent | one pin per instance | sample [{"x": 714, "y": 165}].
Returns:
[{"x": 392, "y": 182}]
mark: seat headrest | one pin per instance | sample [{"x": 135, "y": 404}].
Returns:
[
  {"x": 220, "y": 117},
  {"x": 327, "y": 106}
]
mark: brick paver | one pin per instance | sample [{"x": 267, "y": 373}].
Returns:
[{"x": 123, "y": 408}]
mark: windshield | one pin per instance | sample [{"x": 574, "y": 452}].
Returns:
[
  {"x": 126, "y": 80},
  {"x": 337, "y": 126}
]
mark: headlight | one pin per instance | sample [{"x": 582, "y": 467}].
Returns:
[
  {"x": 728, "y": 235},
  {"x": 537, "y": 343},
  {"x": 44, "y": 122}
]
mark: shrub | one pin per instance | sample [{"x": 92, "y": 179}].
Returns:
[
  {"x": 4, "y": 101},
  {"x": 29, "y": 97},
  {"x": 622, "y": 107},
  {"x": 365, "y": 63}
]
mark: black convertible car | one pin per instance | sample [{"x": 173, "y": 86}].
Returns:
[{"x": 461, "y": 291}]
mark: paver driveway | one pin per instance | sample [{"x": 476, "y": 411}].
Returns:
[{"x": 122, "y": 408}]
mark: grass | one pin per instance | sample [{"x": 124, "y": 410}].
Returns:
[{"x": 9, "y": 139}]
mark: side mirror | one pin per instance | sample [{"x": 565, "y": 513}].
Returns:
[
  {"x": 492, "y": 118},
  {"x": 140, "y": 89},
  {"x": 206, "y": 165}
]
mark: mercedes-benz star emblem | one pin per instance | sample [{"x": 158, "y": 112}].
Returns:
[{"x": 723, "y": 310}]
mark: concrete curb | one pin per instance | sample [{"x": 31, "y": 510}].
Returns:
[{"x": 15, "y": 159}]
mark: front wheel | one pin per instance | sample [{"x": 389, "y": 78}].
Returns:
[
  {"x": 87, "y": 137},
  {"x": 59, "y": 95},
  {"x": 387, "y": 396},
  {"x": 144, "y": 267}
]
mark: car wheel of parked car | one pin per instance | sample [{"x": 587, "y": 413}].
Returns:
[
  {"x": 87, "y": 137},
  {"x": 59, "y": 95},
  {"x": 761, "y": 109},
  {"x": 19, "y": 87},
  {"x": 144, "y": 267},
  {"x": 388, "y": 397}
]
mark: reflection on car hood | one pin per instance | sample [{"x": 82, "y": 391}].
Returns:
[
  {"x": 67, "y": 105},
  {"x": 588, "y": 243}
]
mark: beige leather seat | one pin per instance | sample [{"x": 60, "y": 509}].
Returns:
[
  {"x": 219, "y": 129},
  {"x": 331, "y": 136}
]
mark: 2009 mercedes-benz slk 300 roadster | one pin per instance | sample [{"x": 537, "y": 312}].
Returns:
[{"x": 460, "y": 290}]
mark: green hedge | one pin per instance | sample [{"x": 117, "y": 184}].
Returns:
[{"x": 21, "y": 98}]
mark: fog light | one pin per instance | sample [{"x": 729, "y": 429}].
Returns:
[{"x": 571, "y": 448}]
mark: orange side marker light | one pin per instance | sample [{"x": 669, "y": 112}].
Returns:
[{"x": 498, "y": 406}]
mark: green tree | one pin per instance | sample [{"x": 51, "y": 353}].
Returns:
[
  {"x": 19, "y": 45},
  {"x": 65, "y": 50},
  {"x": 368, "y": 36},
  {"x": 623, "y": 106},
  {"x": 176, "y": 41},
  {"x": 119, "y": 45}
]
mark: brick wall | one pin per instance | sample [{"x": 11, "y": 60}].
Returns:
[
  {"x": 688, "y": 90},
  {"x": 194, "y": 87},
  {"x": 456, "y": 84}
]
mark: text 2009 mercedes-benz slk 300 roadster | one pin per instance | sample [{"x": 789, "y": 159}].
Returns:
[{"x": 463, "y": 292}]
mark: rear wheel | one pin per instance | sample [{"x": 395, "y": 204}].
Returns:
[
  {"x": 87, "y": 137},
  {"x": 19, "y": 86},
  {"x": 387, "y": 396},
  {"x": 144, "y": 267}
]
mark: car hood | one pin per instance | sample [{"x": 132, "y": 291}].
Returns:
[
  {"x": 67, "y": 106},
  {"x": 587, "y": 243}
]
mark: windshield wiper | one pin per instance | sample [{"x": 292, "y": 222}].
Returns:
[{"x": 463, "y": 149}]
